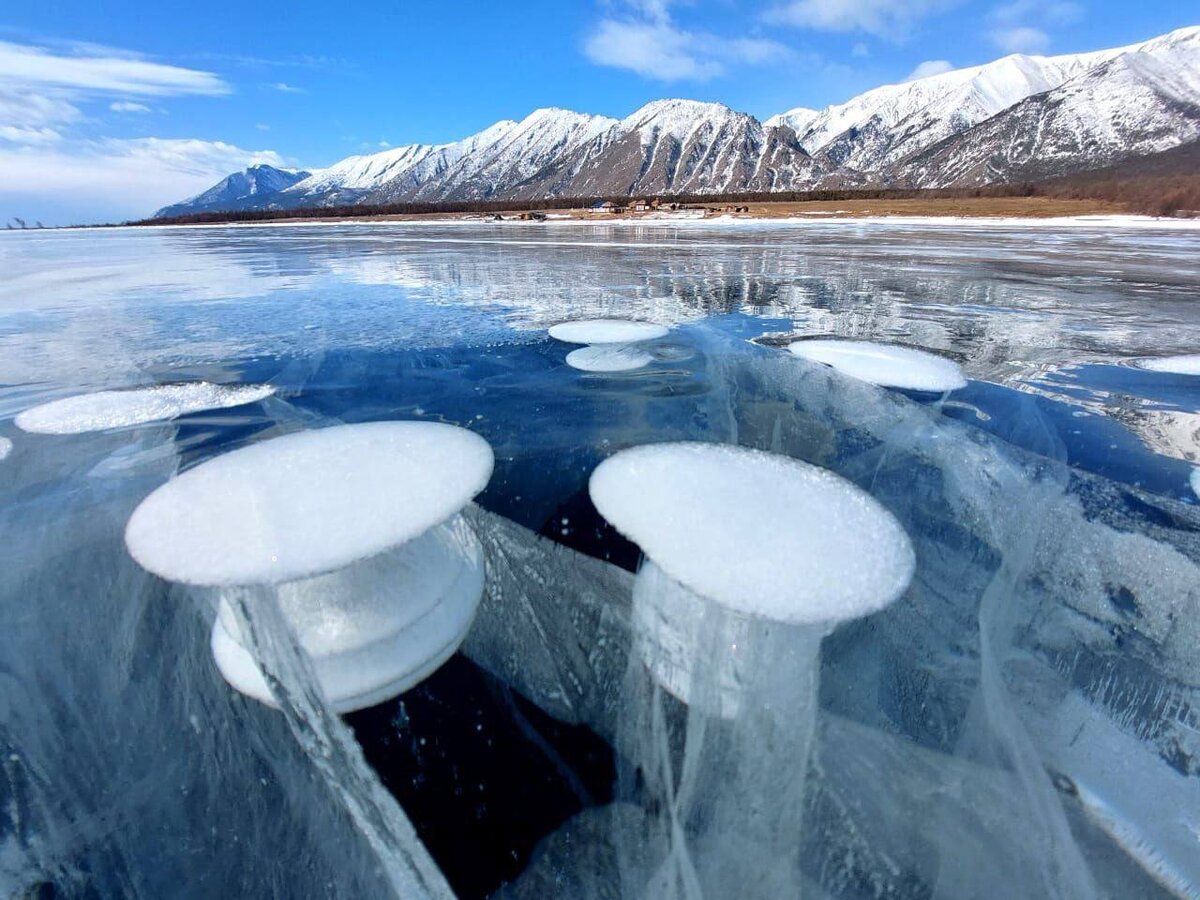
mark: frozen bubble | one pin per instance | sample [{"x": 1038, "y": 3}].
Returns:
[
  {"x": 885, "y": 364},
  {"x": 5, "y": 447},
  {"x": 119, "y": 409},
  {"x": 307, "y": 503},
  {"x": 1172, "y": 365},
  {"x": 607, "y": 331},
  {"x": 763, "y": 535},
  {"x": 376, "y": 628},
  {"x": 608, "y": 358}
]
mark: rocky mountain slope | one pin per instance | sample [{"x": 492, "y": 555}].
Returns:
[
  {"x": 1017, "y": 118},
  {"x": 241, "y": 190}
]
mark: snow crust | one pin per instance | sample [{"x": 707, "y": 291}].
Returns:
[
  {"x": 1188, "y": 364},
  {"x": 607, "y": 331},
  {"x": 375, "y": 629},
  {"x": 121, "y": 409},
  {"x": 884, "y": 364},
  {"x": 763, "y": 535},
  {"x": 307, "y": 503},
  {"x": 608, "y": 358}
]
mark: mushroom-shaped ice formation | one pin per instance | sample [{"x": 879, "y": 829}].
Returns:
[
  {"x": 607, "y": 331},
  {"x": 1188, "y": 364},
  {"x": 354, "y": 530},
  {"x": 5, "y": 447},
  {"x": 752, "y": 558},
  {"x": 137, "y": 406},
  {"x": 609, "y": 358},
  {"x": 886, "y": 365}
]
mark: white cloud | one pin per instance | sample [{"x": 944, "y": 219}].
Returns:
[
  {"x": 929, "y": 68},
  {"x": 27, "y": 67},
  {"x": 114, "y": 179},
  {"x": 262, "y": 126},
  {"x": 125, "y": 106},
  {"x": 860, "y": 51},
  {"x": 287, "y": 88},
  {"x": 660, "y": 50},
  {"x": 1022, "y": 39},
  {"x": 29, "y": 136},
  {"x": 889, "y": 19}
]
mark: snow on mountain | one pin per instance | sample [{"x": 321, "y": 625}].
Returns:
[
  {"x": 1137, "y": 102},
  {"x": 241, "y": 190},
  {"x": 1018, "y": 117},
  {"x": 678, "y": 146},
  {"x": 799, "y": 119}
]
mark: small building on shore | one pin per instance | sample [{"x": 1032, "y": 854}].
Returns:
[{"x": 605, "y": 206}]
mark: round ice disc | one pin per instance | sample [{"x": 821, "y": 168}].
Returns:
[
  {"x": 885, "y": 364},
  {"x": 307, "y": 503},
  {"x": 137, "y": 406},
  {"x": 760, "y": 534},
  {"x": 1172, "y": 365},
  {"x": 377, "y": 666},
  {"x": 607, "y": 331},
  {"x": 608, "y": 358}
]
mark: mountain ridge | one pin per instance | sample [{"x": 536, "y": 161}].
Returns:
[{"x": 1014, "y": 118}]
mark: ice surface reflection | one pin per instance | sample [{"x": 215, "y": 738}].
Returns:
[{"x": 1021, "y": 723}]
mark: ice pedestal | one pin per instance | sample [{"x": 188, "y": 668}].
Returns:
[{"x": 753, "y": 559}]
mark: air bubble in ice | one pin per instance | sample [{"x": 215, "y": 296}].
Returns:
[
  {"x": 607, "y": 331},
  {"x": 307, "y": 503},
  {"x": 762, "y": 534},
  {"x": 1188, "y": 364},
  {"x": 137, "y": 406},
  {"x": 608, "y": 358},
  {"x": 886, "y": 365}
]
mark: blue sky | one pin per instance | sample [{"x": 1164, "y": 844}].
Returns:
[{"x": 110, "y": 110}]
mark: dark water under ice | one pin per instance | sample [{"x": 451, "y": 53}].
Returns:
[{"x": 1058, "y": 540}]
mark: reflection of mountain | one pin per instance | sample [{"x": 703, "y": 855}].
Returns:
[
  {"x": 1174, "y": 433},
  {"x": 1012, "y": 304}
]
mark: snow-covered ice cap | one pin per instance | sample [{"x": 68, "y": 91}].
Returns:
[
  {"x": 307, "y": 503},
  {"x": 137, "y": 406},
  {"x": 760, "y": 534},
  {"x": 609, "y": 358},
  {"x": 607, "y": 331},
  {"x": 1188, "y": 364},
  {"x": 886, "y": 365}
]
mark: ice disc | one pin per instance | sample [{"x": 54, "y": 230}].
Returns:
[
  {"x": 760, "y": 534},
  {"x": 885, "y": 364},
  {"x": 608, "y": 358},
  {"x": 607, "y": 331},
  {"x": 307, "y": 503}
]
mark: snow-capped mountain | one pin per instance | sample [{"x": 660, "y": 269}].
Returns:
[
  {"x": 241, "y": 190},
  {"x": 677, "y": 146},
  {"x": 1019, "y": 117}
]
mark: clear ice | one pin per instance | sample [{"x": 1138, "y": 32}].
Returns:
[{"x": 1022, "y": 722}]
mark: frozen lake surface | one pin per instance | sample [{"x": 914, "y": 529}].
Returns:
[{"x": 1024, "y": 721}]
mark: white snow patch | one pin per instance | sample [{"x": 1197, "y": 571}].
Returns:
[
  {"x": 760, "y": 534},
  {"x": 307, "y": 503},
  {"x": 120, "y": 409}
]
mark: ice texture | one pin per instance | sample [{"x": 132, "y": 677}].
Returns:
[
  {"x": 761, "y": 534},
  {"x": 887, "y": 365},
  {"x": 1187, "y": 364},
  {"x": 607, "y": 331},
  {"x": 609, "y": 358},
  {"x": 1195, "y": 481},
  {"x": 375, "y": 628},
  {"x": 307, "y": 503},
  {"x": 6, "y": 446},
  {"x": 136, "y": 406}
]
